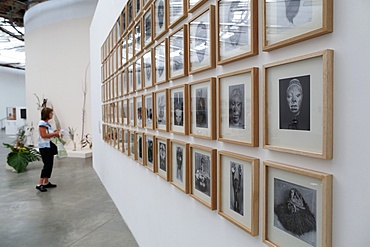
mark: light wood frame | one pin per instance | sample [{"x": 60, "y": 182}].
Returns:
[
  {"x": 203, "y": 177},
  {"x": 124, "y": 82},
  {"x": 148, "y": 120},
  {"x": 201, "y": 33},
  {"x": 146, "y": 4},
  {"x": 124, "y": 59},
  {"x": 139, "y": 111},
  {"x": 149, "y": 160},
  {"x": 181, "y": 105},
  {"x": 178, "y": 57},
  {"x": 193, "y": 5},
  {"x": 138, "y": 37},
  {"x": 125, "y": 113},
  {"x": 161, "y": 100},
  {"x": 131, "y": 111},
  {"x": 138, "y": 7},
  {"x": 161, "y": 62},
  {"x": 123, "y": 22},
  {"x": 126, "y": 142},
  {"x": 160, "y": 27},
  {"x": 147, "y": 69},
  {"x": 238, "y": 190},
  {"x": 130, "y": 79},
  {"x": 179, "y": 177},
  {"x": 243, "y": 85},
  {"x": 139, "y": 136},
  {"x": 177, "y": 15},
  {"x": 311, "y": 191},
  {"x": 312, "y": 133},
  {"x": 162, "y": 169},
  {"x": 138, "y": 74},
  {"x": 130, "y": 13},
  {"x": 202, "y": 104},
  {"x": 132, "y": 144},
  {"x": 148, "y": 36},
  {"x": 286, "y": 28},
  {"x": 131, "y": 43}
]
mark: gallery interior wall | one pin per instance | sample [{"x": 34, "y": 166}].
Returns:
[
  {"x": 12, "y": 89},
  {"x": 57, "y": 48},
  {"x": 158, "y": 214}
]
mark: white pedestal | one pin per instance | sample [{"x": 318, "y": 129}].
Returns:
[{"x": 84, "y": 153}]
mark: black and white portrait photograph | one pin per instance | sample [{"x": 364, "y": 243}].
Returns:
[
  {"x": 294, "y": 103},
  {"x": 148, "y": 110},
  {"x": 123, "y": 17},
  {"x": 201, "y": 42},
  {"x": 160, "y": 63},
  {"x": 162, "y": 155},
  {"x": 179, "y": 163},
  {"x": 177, "y": 54},
  {"x": 176, "y": 8},
  {"x": 293, "y": 13},
  {"x": 138, "y": 82},
  {"x": 160, "y": 17},
  {"x": 132, "y": 144},
  {"x": 147, "y": 69},
  {"x": 235, "y": 28},
  {"x": 148, "y": 27},
  {"x": 149, "y": 150},
  {"x": 178, "y": 108},
  {"x": 202, "y": 175},
  {"x": 295, "y": 210},
  {"x": 137, "y": 7},
  {"x": 138, "y": 43},
  {"x": 201, "y": 110},
  {"x": 139, "y": 113},
  {"x": 139, "y": 141},
  {"x": 161, "y": 108},
  {"x": 236, "y": 106},
  {"x": 130, "y": 12},
  {"x": 236, "y": 188}
]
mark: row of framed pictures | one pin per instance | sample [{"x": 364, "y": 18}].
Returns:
[
  {"x": 284, "y": 23},
  {"x": 297, "y": 107},
  {"x": 229, "y": 182}
]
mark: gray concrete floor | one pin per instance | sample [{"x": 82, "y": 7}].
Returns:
[{"x": 79, "y": 212}]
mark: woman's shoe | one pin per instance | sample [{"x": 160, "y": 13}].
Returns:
[
  {"x": 49, "y": 185},
  {"x": 41, "y": 188}
]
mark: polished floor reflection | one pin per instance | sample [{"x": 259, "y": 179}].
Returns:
[{"x": 79, "y": 212}]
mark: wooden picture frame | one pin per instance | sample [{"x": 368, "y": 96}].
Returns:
[
  {"x": 203, "y": 175},
  {"x": 202, "y": 45},
  {"x": 147, "y": 69},
  {"x": 179, "y": 109},
  {"x": 298, "y": 105},
  {"x": 293, "y": 22},
  {"x": 131, "y": 111},
  {"x": 124, "y": 82},
  {"x": 132, "y": 145},
  {"x": 130, "y": 78},
  {"x": 130, "y": 13},
  {"x": 125, "y": 113},
  {"x": 238, "y": 190},
  {"x": 138, "y": 75},
  {"x": 148, "y": 110},
  {"x": 177, "y": 11},
  {"x": 178, "y": 53},
  {"x": 179, "y": 160},
  {"x": 161, "y": 110},
  {"x": 238, "y": 107},
  {"x": 237, "y": 30},
  {"x": 114, "y": 137},
  {"x": 139, "y": 147},
  {"x": 120, "y": 139},
  {"x": 126, "y": 142},
  {"x": 139, "y": 111},
  {"x": 202, "y": 108},
  {"x": 305, "y": 195},
  {"x": 124, "y": 59},
  {"x": 146, "y": 4},
  {"x": 130, "y": 44},
  {"x": 138, "y": 6},
  {"x": 149, "y": 151},
  {"x": 162, "y": 147},
  {"x": 193, "y": 5},
  {"x": 161, "y": 63},
  {"x": 123, "y": 22},
  {"x": 160, "y": 18},
  {"x": 120, "y": 112},
  {"x": 148, "y": 36},
  {"x": 138, "y": 37}
]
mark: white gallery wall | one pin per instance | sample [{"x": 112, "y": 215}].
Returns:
[
  {"x": 12, "y": 89},
  {"x": 58, "y": 60},
  {"x": 159, "y": 214}
]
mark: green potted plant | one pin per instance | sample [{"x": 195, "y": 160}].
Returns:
[{"x": 19, "y": 155}]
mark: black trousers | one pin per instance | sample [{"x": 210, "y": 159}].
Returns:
[{"x": 47, "y": 156}]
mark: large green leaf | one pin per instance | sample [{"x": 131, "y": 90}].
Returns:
[{"x": 19, "y": 159}]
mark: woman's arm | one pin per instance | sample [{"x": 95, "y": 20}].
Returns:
[{"x": 44, "y": 134}]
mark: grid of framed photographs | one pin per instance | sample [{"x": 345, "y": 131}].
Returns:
[{"x": 148, "y": 96}]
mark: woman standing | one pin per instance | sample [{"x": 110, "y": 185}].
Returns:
[{"x": 47, "y": 149}]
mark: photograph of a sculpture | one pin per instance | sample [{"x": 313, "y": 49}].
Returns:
[
  {"x": 161, "y": 109},
  {"x": 149, "y": 150},
  {"x": 160, "y": 15},
  {"x": 293, "y": 13},
  {"x": 160, "y": 61},
  {"x": 236, "y": 188},
  {"x": 148, "y": 28},
  {"x": 294, "y": 103},
  {"x": 201, "y": 42},
  {"x": 236, "y": 106},
  {"x": 148, "y": 110},
  {"x": 201, "y": 111},
  {"x": 202, "y": 176},
  {"x": 179, "y": 163},
  {"x": 295, "y": 210},
  {"x": 178, "y": 108},
  {"x": 162, "y": 156}
]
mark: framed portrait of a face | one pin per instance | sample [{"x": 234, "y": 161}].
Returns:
[
  {"x": 148, "y": 110},
  {"x": 147, "y": 69},
  {"x": 130, "y": 78},
  {"x": 139, "y": 147},
  {"x": 149, "y": 158},
  {"x": 237, "y": 30},
  {"x": 161, "y": 112},
  {"x": 179, "y": 113},
  {"x": 125, "y": 114},
  {"x": 132, "y": 145},
  {"x": 297, "y": 207},
  {"x": 177, "y": 11},
  {"x": 138, "y": 74},
  {"x": 130, "y": 13},
  {"x": 178, "y": 53},
  {"x": 124, "y": 59},
  {"x": 130, "y": 45},
  {"x": 148, "y": 27},
  {"x": 298, "y": 105},
  {"x": 139, "y": 111},
  {"x": 160, "y": 58},
  {"x": 179, "y": 160},
  {"x": 138, "y": 37},
  {"x": 290, "y": 22},
  {"x": 238, "y": 107},
  {"x": 160, "y": 18},
  {"x": 131, "y": 111},
  {"x": 203, "y": 178},
  {"x": 126, "y": 142},
  {"x": 238, "y": 190},
  {"x": 162, "y": 146},
  {"x": 195, "y": 4},
  {"x": 202, "y": 102},
  {"x": 202, "y": 41}
]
